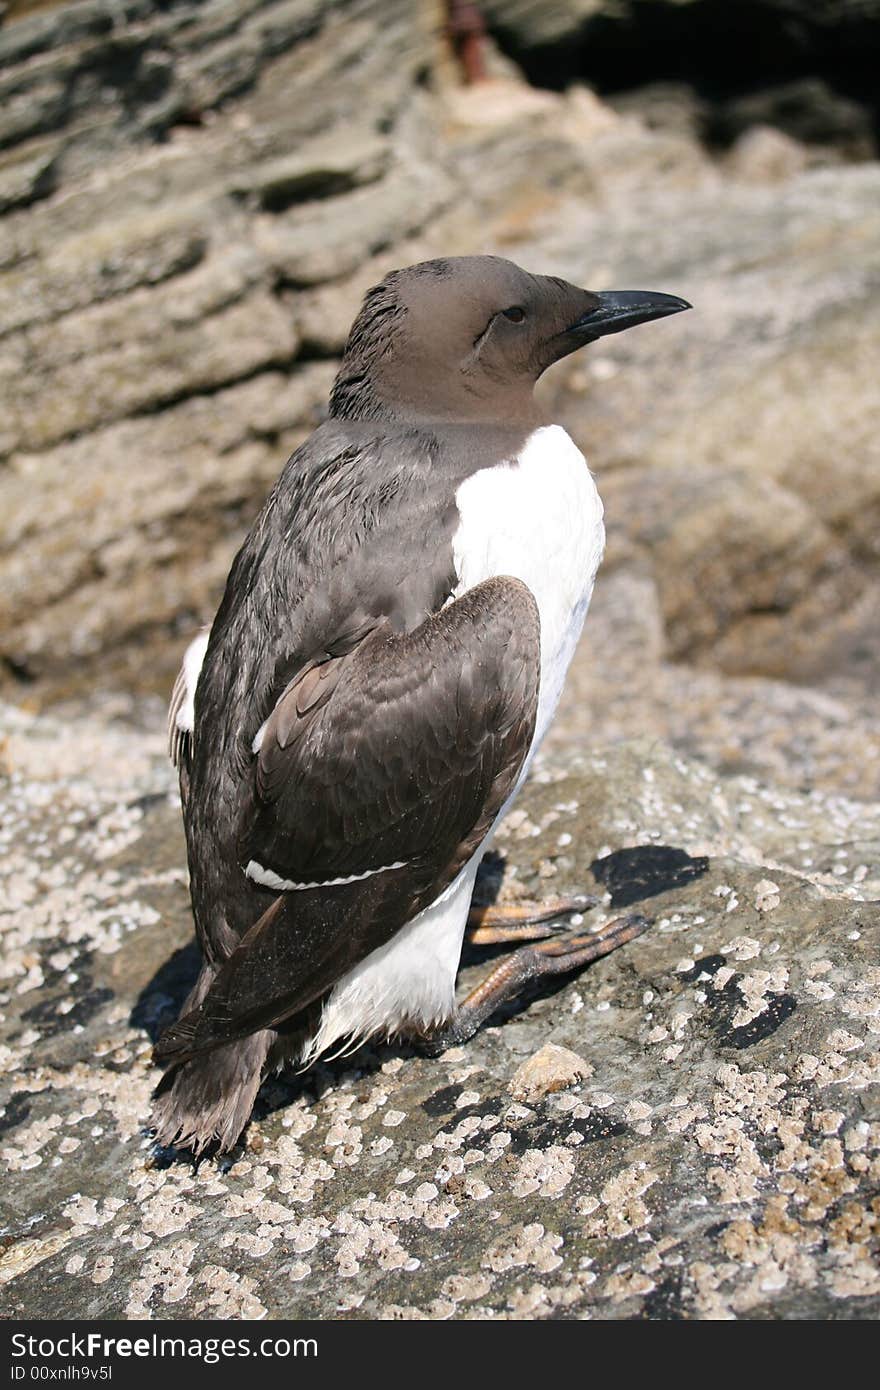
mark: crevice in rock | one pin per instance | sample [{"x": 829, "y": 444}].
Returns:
[
  {"x": 719, "y": 68},
  {"x": 158, "y": 406},
  {"x": 17, "y": 669}
]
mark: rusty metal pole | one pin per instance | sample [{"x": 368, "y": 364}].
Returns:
[{"x": 467, "y": 31}]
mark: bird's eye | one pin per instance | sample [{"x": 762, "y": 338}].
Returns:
[{"x": 515, "y": 314}]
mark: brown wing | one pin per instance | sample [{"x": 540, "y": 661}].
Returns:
[{"x": 400, "y": 754}]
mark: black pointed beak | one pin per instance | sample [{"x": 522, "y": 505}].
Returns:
[{"x": 619, "y": 309}]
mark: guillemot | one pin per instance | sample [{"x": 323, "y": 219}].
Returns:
[{"x": 387, "y": 656}]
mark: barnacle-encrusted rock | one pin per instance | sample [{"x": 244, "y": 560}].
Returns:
[{"x": 716, "y": 1157}]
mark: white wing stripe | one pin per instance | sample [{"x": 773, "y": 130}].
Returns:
[{"x": 269, "y": 879}]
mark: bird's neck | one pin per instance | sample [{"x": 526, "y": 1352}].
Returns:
[
  {"x": 407, "y": 397},
  {"x": 434, "y": 415}
]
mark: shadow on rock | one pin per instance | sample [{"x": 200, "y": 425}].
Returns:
[{"x": 159, "y": 1002}]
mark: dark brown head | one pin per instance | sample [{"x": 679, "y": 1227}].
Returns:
[{"x": 466, "y": 338}]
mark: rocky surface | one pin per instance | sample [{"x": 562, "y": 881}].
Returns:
[
  {"x": 193, "y": 201},
  {"x": 713, "y": 1151}
]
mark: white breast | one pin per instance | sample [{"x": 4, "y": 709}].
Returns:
[{"x": 538, "y": 519}]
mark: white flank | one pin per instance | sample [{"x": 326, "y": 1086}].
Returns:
[
  {"x": 269, "y": 879},
  {"x": 410, "y": 981},
  {"x": 191, "y": 670},
  {"x": 538, "y": 519}
]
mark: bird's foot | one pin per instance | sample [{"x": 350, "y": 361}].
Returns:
[
  {"x": 498, "y": 924},
  {"x": 557, "y": 955}
]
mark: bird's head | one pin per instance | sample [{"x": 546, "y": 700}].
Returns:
[{"x": 467, "y": 337}]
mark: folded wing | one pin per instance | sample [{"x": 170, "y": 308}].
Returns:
[{"x": 378, "y": 774}]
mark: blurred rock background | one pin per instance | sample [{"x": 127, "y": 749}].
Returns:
[{"x": 194, "y": 195}]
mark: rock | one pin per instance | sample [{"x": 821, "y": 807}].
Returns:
[
  {"x": 535, "y": 25},
  {"x": 801, "y": 67},
  {"x": 112, "y": 259},
  {"x": 622, "y": 685},
  {"x": 744, "y": 568},
  {"x": 808, "y": 111},
  {"x": 717, "y": 1161},
  {"x": 673, "y": 107},
  {"x": 550, "y": 1069},
  {"x": 328, "y": 166},
  {"x": 767, "y": 895},
  {"x": 28, "y": 174},
  {"x": 196, "y": 332},
  {"x": 63, "y": 70},
  {"x": 765, "y": 155},
  {"x": 324, "y": 240},
  {"x": 578, "y": 143},
  {"x": 41, "y": 31},
  {"x": 70, "y": 592},
  {"x": 769, "y": 387},
  {"x": 240, "y": 247},
  {"x": 501, "y": 102}
]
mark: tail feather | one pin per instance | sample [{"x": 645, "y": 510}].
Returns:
[{"x": 209, "y": 1098}]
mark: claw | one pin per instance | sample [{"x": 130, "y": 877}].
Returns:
[
  {"x": 587, "y": 946},
  {"x": 557, "y": 955}
]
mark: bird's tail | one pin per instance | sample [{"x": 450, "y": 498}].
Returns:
[{"x": 207, "y": 1099}]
